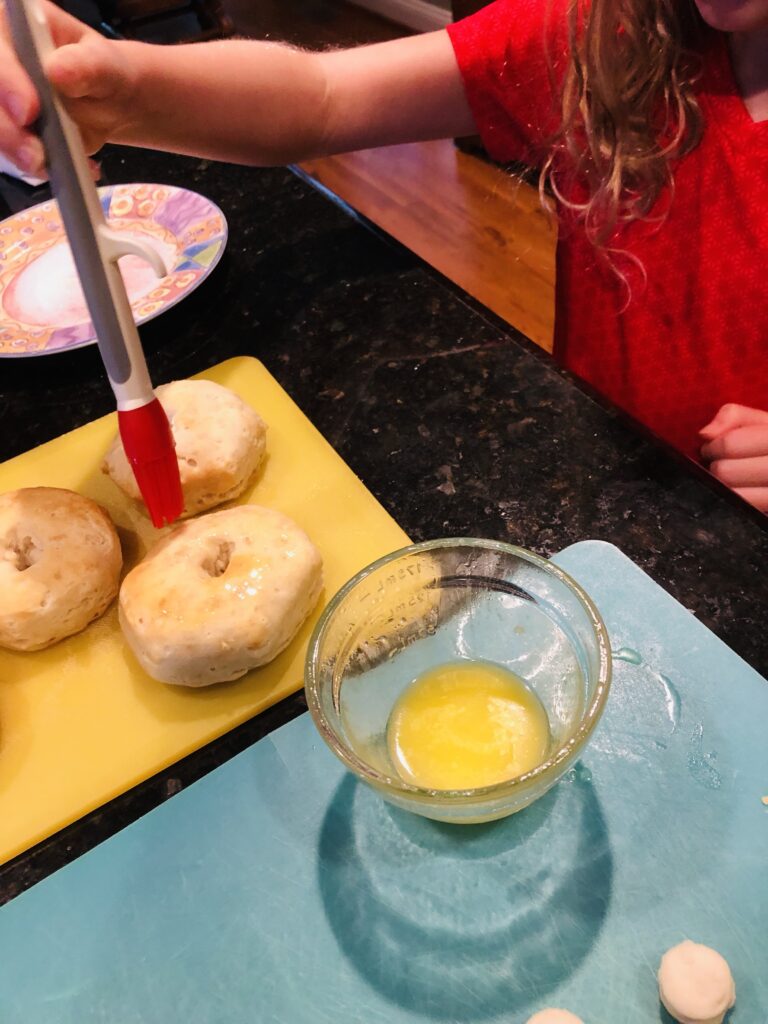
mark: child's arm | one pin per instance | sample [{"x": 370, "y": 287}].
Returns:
[
  {"x": 263, "y": 103},
  {"x": 242, "y": 101}
]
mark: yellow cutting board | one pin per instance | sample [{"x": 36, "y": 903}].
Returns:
[{"x": 80, "y": 722}]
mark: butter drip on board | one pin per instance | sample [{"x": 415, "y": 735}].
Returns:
[{"x": 466, "y": 724}]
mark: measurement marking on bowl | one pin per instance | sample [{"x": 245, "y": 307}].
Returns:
[{"x": 484, "y": 583}]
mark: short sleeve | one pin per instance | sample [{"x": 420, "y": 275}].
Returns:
[{"x": 512, "y": 56}]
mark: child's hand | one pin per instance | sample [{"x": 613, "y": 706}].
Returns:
[
  {"x": 736, "y": 447},
  {"x": 88, "y": 71}
]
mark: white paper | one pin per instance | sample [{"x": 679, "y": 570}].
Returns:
[{"x": 7, "y": 167}]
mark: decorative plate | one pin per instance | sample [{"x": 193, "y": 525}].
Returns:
[{"x": 42, "y": 308}]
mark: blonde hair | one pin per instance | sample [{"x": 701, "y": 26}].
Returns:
[{"x": 628, "y": 109}]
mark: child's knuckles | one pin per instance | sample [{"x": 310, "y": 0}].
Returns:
[
  {"x": 731, "y": 414},
  {"x": 726, "y": 446},
  {"x": 70, "y": 69},
  {"x": 12, "y": 138},
  {"x": 17, "y": 94}
]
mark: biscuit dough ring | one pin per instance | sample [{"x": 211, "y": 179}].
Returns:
[
  {"x": 60, "y": 563},
  {"x": 220, "y": 595},
  {"x": 220, "y": 442}
]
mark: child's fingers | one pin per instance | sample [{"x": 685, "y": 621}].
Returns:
[
  {"x": 19, "y": 103},
  {"x": 22, "y": 147},
  {"x": 738, "y": 443},
  {"x": 742, "y": 472},
  {"x": 64, "y": 27},
  {"x": 30, "y": 157},
  {"x": 732, "y": 415},
  {"x": 757, "y": 496},
  {"x": 19, "y": 98},
  {"x": 17, "y": 94}
]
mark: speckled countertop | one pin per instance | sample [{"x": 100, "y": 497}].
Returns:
[{"x": 454, "y": 422}]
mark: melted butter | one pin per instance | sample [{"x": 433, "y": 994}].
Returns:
[
  {"x": 467, "y": 724},
  {"x": 241, "y": 580},
  {"x": 243, "y": 577}
]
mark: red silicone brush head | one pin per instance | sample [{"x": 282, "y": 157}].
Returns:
[{"x": 148, "y": 443}]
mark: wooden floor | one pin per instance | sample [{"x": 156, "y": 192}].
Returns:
[
  {"x": 482, "y": 228},
  {"x": 472, "y": 221}
]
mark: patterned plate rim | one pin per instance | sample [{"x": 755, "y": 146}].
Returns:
[{"x": 107, "y": 190}]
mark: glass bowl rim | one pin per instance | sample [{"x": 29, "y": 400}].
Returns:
[{"x": 589, "y": 718}]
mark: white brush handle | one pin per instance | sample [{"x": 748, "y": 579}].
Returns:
[{"x": 95, "y": 247}]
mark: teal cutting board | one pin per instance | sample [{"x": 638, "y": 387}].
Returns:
[{"x": 277, "y": 890}]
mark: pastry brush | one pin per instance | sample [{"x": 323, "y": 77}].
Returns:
[{"x": 143, "y": 424}]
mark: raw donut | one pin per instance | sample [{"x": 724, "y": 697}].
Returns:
[
  {"x": 220, "y": 442},
  {"x": 695, "y": 984},
  {"x": 60, "y": 564},
  {"x": 220, "y": 595},
  {"x": 552, "y": 1016}
]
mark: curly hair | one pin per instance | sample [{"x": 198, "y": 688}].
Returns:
[{"x": 628, "y": 110}]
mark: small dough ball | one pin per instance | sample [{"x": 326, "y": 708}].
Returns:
[
  {"x": 695, "y": 984},
  {"x": 60, "y": 563},
  {"x": 220, "y": 595},
  {"x": 552, "y": 1016},
  {"x": 220, "y": 442}
]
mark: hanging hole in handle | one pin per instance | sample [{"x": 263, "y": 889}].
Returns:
[{"x": 115, "y": 244}]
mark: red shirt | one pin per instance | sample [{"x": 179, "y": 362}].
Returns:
[{"x": 695, "y": 334}]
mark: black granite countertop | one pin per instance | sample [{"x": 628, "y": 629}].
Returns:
[{"x": 453, "y": 421}]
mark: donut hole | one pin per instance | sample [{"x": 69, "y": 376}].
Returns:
[
  {"x": 21, "y": 552},
  {"x": 217, "y": 563}
]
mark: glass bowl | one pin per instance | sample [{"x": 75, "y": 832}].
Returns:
[{"x": 446, "y": 601}]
